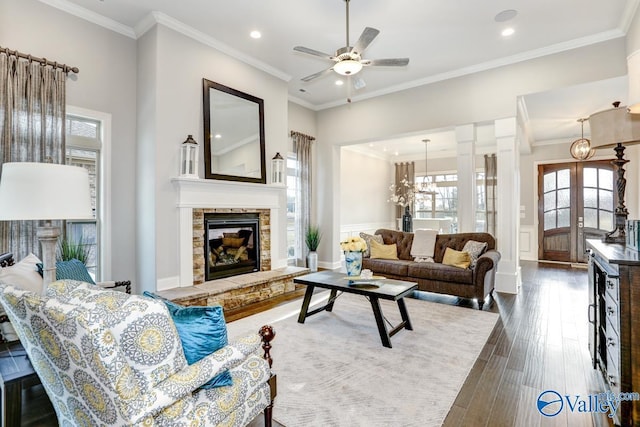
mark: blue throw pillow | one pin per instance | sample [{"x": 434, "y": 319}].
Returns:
[
  {"x": 70, "y": 270},
  {"x": 202, "y": 331}
]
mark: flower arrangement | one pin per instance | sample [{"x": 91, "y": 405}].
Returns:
[
  {"x": 402, "y": 194},
  {"x": 353, "y": 244}
]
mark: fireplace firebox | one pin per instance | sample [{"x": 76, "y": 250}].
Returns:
[{"x": 232, "y": 244}]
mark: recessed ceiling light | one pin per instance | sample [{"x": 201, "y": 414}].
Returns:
[
  {"x": 396, "y": 153},
  {"x": 255, "y": 34},
  {"x": 339, "y": 82},
  {"x": 217, "y": 136},
  {"x": 507, "y": 32},
  {"x": 506, "y": 15}
]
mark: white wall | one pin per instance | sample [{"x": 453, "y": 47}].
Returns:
[
  {"x": 180, "y": 64},
  {"x": 364, "y": 193},
  {"x": 106, "y": 83}
]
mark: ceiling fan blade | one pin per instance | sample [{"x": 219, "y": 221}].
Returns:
[
  {"x": 365, "y": 39},
  {"x": 389, "y": 62},
  {"x": 313, "y": 52},
  {"x": 316, "y": 75},
  {"x": 358, "y": 83}
]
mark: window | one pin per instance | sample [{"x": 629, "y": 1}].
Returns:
[
  {"x": 292, "y": 207},
  {"x": 83, "y": 144},
  {"x": 444, "y": 203}
]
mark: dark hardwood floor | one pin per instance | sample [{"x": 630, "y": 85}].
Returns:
[{"x": 539, "y": 343}]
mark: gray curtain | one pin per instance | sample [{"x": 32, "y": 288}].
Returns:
[
  {"x": 404, "y": 171},
  {"x": 302, "y": 146},
  {"x": 32, "y": 129},
  {"x": 490, "y": 184}
]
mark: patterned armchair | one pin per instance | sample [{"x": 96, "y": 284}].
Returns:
[{"x": 108, "y": 358}]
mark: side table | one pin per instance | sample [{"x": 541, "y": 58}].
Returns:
[{"x": 15, "y": 371}]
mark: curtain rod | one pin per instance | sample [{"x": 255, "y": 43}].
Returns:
[
  {"x": 294, "y": 133},
  {"x": 43, "y": 61}
]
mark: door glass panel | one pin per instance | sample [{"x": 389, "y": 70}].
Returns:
[
  {"x": 550, "y": 220},
  {"x": 606, "y": 179},
  {"x": 591, "y": 218},
  {"x": 606, "y": 200},
  {"x": 549, "y": 182},
  {"x": 606, "y": 220},
  {"x": 590, "y": 177},
  {"x": 564, "y": 216},
  {"x": 550, "y": 201},
  {"x": 564, "y": 197},
  {"x": 590, "y": 198},
  {"x": 563, "y": 178}
]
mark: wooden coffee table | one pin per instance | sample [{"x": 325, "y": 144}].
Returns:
[{"x": 387, "y": 289}]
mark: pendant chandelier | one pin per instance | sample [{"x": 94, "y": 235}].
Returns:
[
  {"x": 581, "y": 148},
  {"x": 426, "y": 187}
]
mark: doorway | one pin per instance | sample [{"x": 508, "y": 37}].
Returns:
[{"x": 575, "y": 202}]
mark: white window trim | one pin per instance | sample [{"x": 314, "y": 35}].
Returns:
[{"x": 104, "y": 182}]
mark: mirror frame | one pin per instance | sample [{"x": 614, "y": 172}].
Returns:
[{"x": 208, "y": 86}]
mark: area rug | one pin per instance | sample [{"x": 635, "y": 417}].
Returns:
[{"x": 333, "y": 370}]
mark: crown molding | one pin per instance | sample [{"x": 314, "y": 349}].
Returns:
[
  {"x": 182, "y": 28},
  {"x": 627, "y": 16},
  {"x": 93, "y": 17},
  {"x": 303, "y": 103},
  {"x": 489, "y": 65}
]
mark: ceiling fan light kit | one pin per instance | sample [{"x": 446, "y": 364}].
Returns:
[
  {"x": 347, "y": 67},
  {"x": 348, "y": 59}
]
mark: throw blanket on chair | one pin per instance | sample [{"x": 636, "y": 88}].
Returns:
[{"x": 424, "y": 242}]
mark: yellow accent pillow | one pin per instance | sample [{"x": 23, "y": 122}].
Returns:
[
  {"x": 378, "y": 250},
  {"x": 456, "y": 258}
]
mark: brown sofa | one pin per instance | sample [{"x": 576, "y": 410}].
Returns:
[{"x": 434, "y": 276}]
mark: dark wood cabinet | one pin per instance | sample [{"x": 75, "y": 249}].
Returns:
[{"x": 614, "y": 322}]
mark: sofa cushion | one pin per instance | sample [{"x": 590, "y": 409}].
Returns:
[
  {"x": 202, "y": 331},
  {"x": 368, "y": 238},
  {"x": 381, "y": 251},
  {"x": 455, "y": 258},
  {"x": 387, "y": 266},
  {"x": 475, "y": 249},
  {"x": 440, "y": 272}
]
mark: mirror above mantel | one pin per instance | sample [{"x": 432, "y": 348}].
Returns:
[{"x": 234, "y": 146}]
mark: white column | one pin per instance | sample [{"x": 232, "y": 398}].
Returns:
[
  {"x": 466, "y": 138},
  {"x": 508, "y": 277}
]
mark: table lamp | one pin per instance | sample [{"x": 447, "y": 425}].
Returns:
[
  {"x": 44, "y": 191},
  {"x": 616, "y": 128}
]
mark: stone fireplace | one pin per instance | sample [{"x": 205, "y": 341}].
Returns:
[
  {"x": 228, "y": 241},
  {"x": 199, "y": 197}
]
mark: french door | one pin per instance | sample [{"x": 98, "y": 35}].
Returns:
[{"x": 575, "y": 202}]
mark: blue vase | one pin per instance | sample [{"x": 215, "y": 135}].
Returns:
[{"x": 353, "y": 263}]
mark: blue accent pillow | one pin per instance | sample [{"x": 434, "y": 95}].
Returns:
[
  {"x": 70, "y": 270},
  {"x": 202, "y": 331}
]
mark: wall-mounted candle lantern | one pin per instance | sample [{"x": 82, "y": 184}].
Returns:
[
  {"x": 277, "y": 169},
  {"x": 189, "y": 158}
]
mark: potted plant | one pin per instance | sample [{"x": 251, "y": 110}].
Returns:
[
  {"x": 312, "y": 239},
  {"x": 73, "y": 249}
]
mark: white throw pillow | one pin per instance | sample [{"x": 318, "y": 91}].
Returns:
[{"x": 23, "y": 275}]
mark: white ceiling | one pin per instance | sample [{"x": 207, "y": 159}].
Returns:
[{"x": 441, "y": 38}]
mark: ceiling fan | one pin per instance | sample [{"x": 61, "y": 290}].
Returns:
[{"x": 348, "y": 59}]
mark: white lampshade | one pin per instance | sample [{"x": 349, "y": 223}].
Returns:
[
  {"x": 633, "y": 71},
  {"x": 44, "y": 191},
  {"x": 614, "y": 126}
]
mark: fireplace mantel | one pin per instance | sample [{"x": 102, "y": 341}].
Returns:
[{"x": 215, "y": 194}]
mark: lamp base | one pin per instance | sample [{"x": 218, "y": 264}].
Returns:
[
  {"x": 48, "y": 237},
  {"x": 618, "y": 235},
  {"x": 615, "y": 236}
]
